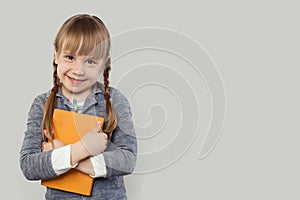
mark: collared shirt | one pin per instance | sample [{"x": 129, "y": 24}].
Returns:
[{"x": 119, "y": 157}]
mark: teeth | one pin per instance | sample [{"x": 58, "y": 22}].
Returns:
[{"x": 74, "y": 79}]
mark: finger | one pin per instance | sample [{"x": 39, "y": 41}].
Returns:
[
  {"x": 106, "y": 138},
  {"x": 48, "y": 136},
  {"x": 99, "y": 125},
  {"x": 43, "y": 145},
  {"x": 105, "y": 135},
  {"x": 47, "y": 146},
  {"x": 45, "y": 149}
]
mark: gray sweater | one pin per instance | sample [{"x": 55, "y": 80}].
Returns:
[{"x": 120, "y": 156}]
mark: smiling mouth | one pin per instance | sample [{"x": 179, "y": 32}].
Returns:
[{"x": 74, "y": 81}]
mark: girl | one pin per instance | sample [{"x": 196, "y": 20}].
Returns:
[{"x": 81, "y": 56}]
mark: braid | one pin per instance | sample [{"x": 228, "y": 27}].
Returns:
[
  {"x": 106, "y": 81},
  {"x": 55, "y": 77},
  {"x": 110, "y": 113},
  {"x": 50, "y": 105}
]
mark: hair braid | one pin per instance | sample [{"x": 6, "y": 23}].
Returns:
[
  {"x": 110, "y": 113},
  {"x": 50, "y": 105}
]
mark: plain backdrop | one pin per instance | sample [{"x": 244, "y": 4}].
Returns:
[{"x": 254, "y": 46}]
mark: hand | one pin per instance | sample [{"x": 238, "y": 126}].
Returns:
[
  {"x": 53, "y": 144},
  {"x": 47, "y": 146},
  {"x": 95, "y": 141}
]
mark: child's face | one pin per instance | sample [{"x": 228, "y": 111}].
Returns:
[{"x": 78, "y": 73}]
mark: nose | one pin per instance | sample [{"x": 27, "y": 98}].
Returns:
[
  {"x": 78, "y": 69},
  {"x": 78, "y": 73}
]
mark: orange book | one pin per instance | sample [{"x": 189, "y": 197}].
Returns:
[{"x": 69, "y": 127}]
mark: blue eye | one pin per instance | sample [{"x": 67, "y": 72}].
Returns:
[{"x": 91, "y": 62}]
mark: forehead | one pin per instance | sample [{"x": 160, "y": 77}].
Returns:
[{"x": 84, "y": 49}]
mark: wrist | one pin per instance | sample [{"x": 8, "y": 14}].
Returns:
[
  {"x": 86, "y": 167},
  {"x": 78, "y": 152}
]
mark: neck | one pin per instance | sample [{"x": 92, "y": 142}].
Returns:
[{"x": 80, "y": 97}]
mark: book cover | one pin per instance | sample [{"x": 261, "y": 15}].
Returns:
[{"x": 69, "y": 127}]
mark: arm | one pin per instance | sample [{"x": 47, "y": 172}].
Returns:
[
  {"x": 120, "y": 156},
  {"x": 35, "y": 165},
  {"x": 41, "y": 165},
  {"x": 86, "y": 167},
  {"x": 61, "y": 155},
  {"x": 93, "y": 166},
  {"x": 77, "y": 154},
  {"x": 60, "y": 162}
]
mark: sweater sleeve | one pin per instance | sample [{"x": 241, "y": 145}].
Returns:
[
  {"x": 99, "y": 166},
  {"x": 35, "y": 165},
  {"x": 120, "y": 156}
]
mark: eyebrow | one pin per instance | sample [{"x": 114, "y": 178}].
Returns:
[
  {"x": 74, "y": 54},
  {"x": 93, "y": 58},
  {"x": 67, "y": 52}
]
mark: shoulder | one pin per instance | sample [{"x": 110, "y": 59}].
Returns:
[
  {"x": 40, "y": 99},
  {"x": 117, "y": 97},
  {"x": 37, "y": 107},
  {"x": 120, "y": 102}
]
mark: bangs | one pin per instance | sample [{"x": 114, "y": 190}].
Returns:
[
  {"x": 84, "y": 46},
  {"x": 85, "y": 39}
]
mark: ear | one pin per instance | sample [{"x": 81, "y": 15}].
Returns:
[
  {"x": 55, "y": 56},
  {"x": 102, "y": 67},
  {"x": 106, "y": 59}
]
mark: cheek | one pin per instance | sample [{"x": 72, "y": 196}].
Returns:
[
  {"x": 61, "y": 70},
  {"x": 93, "y": 75}
]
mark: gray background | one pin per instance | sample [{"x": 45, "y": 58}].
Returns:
[{"x": 255, "y": 45}]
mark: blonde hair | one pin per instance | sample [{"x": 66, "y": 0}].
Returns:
[{"x": 70, "y": 37}]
